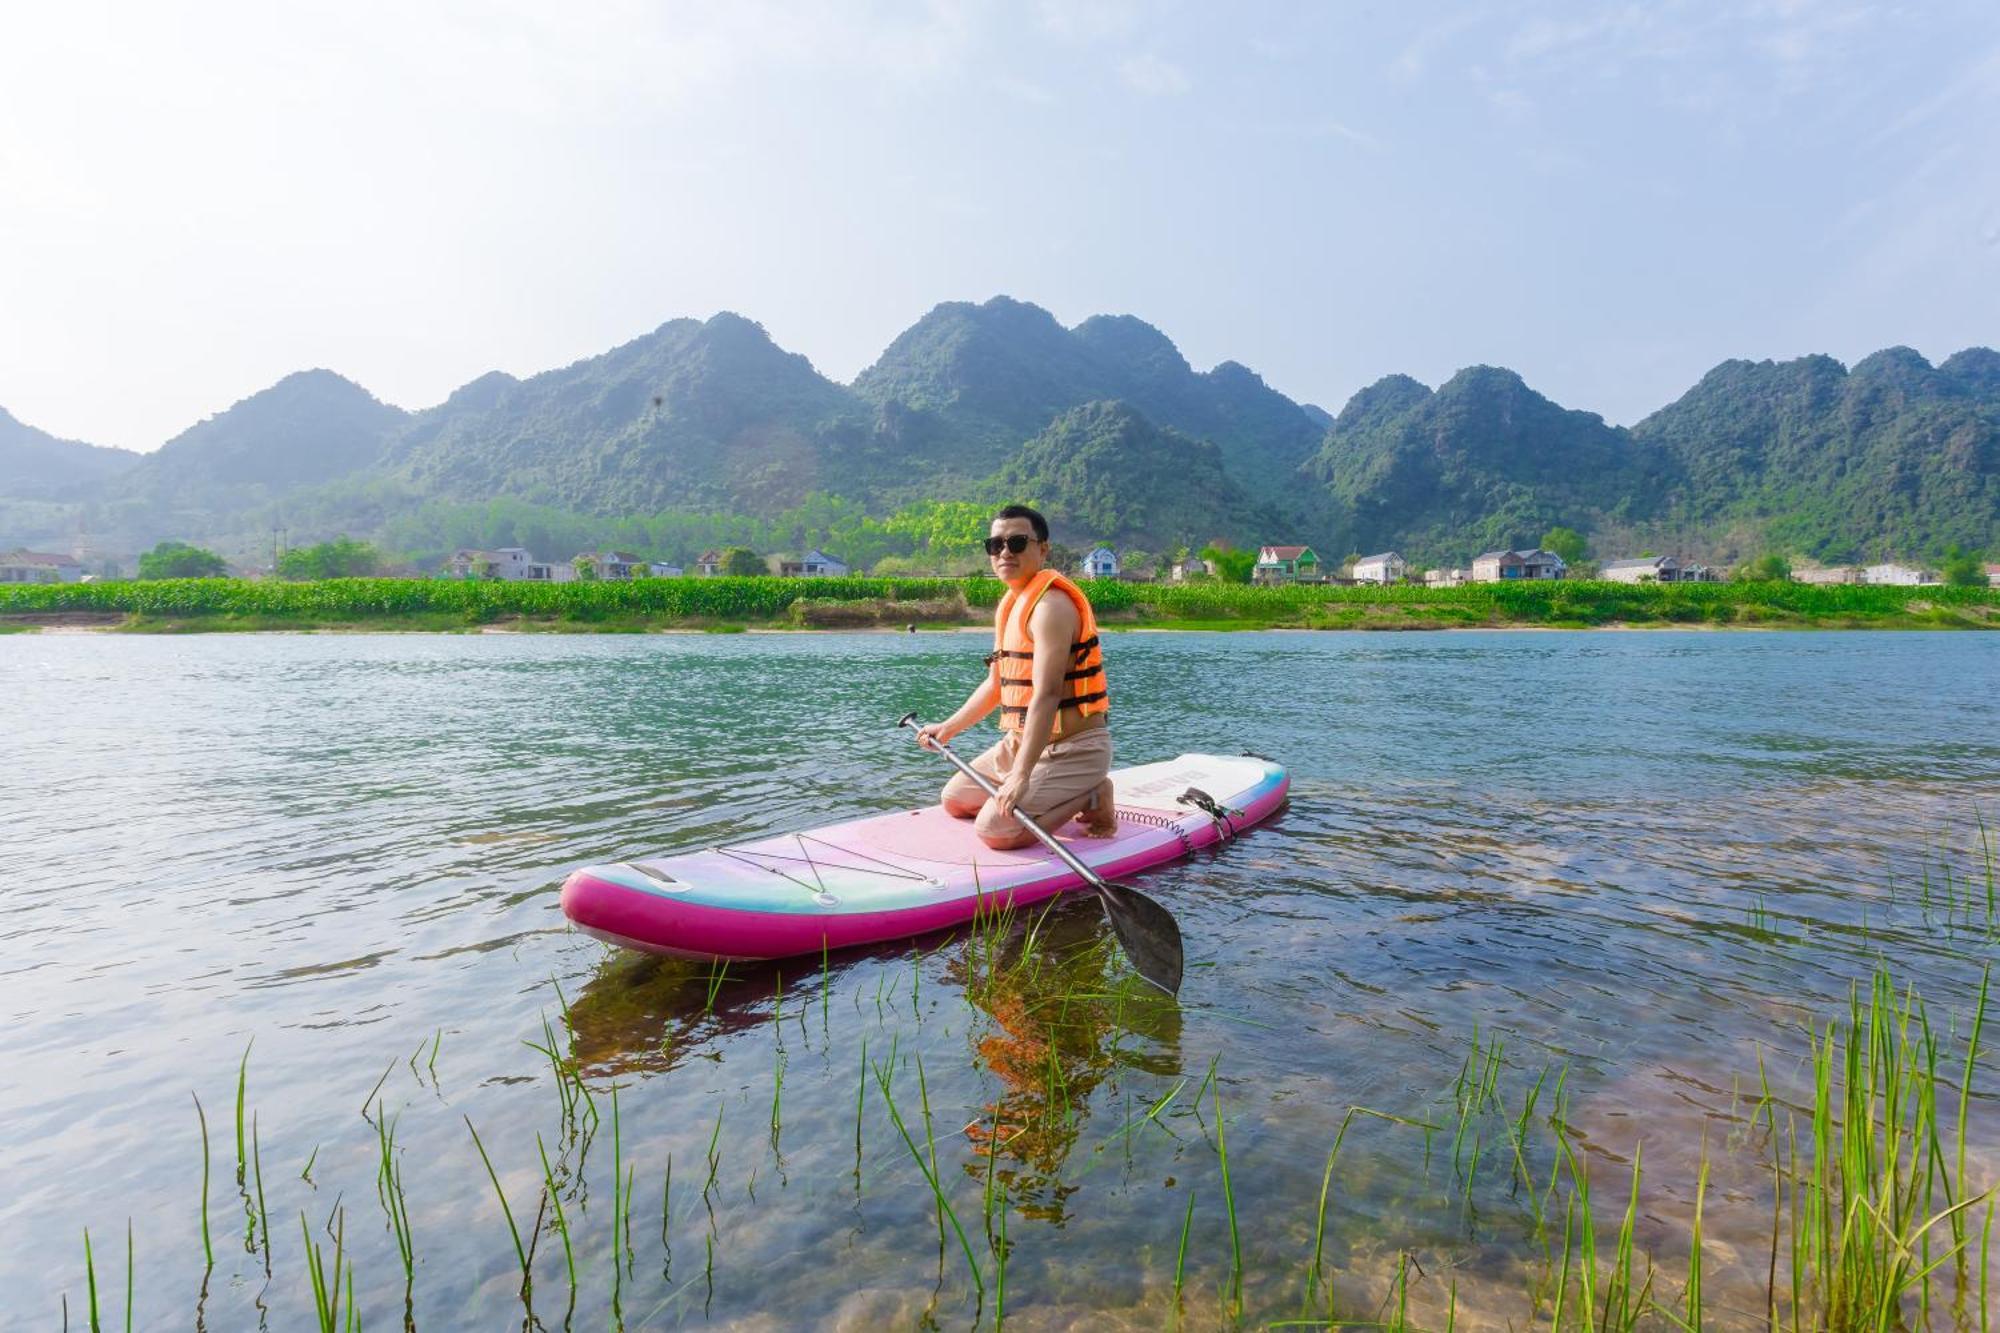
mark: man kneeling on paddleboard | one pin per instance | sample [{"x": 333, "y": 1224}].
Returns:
[{"x": 1046, "y": 676}]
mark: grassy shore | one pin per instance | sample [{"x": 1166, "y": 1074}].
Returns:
[{"x": 724, "y": 604}]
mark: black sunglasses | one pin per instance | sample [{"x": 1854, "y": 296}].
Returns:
[{"x": 1016, "y": 543}]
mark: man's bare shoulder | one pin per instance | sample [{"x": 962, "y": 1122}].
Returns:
[{"x": 1054, "y": 618}]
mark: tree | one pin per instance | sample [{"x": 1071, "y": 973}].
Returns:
[
  {"x": 1767, "y": 568},
  {"x": 1962, "y": 569},
  {"x": 741, "y": 560},
  {"x": 1567, "y": 543},
  {"x": 586, "y": 568},
  {"x": 1141, "y": 564},
  {"x": 341, "y": 558},
  {"x": 943, "y": 527},
  {"x": 178, "y": 560},
  {"x": 1231, "y": 565}
]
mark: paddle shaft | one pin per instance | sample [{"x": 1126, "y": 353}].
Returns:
[
  {"x": 1146, "y": 931},
  {"x": 1047, "y": 839}
]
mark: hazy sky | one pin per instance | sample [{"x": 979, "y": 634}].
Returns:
[{"x": 198, "y": 199}]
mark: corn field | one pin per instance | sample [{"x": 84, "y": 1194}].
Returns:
[{"x": 763, "y": 598}]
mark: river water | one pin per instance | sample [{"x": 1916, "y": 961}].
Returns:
[{"x": 1638, "y": 864}]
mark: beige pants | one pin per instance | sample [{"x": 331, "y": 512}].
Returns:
[{"x": 1067, "y": 770}]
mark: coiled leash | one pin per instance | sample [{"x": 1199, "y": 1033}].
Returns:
[{"x": 1224, "y": 816}]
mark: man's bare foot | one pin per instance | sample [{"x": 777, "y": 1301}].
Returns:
[{"x": 1100, "y": 818}]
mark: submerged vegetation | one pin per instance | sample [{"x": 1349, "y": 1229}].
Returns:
[
  {"x": 1855, "y": 1160},
  {"x": 641, "y": 604}
]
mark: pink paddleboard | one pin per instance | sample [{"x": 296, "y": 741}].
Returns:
[{"x": 889, "y": 877}]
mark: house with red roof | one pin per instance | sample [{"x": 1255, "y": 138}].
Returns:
[{"x": 1285, "y": 564}]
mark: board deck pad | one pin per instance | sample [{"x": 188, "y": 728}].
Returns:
[{"x": 891, "y": 876}]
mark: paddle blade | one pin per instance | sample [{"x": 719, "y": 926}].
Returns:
[{"x": 1147, "y": 932}]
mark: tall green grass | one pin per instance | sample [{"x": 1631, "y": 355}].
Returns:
[
  {"x": 1562, "y": 601},
  {"x": 1877, "y": 1220}
]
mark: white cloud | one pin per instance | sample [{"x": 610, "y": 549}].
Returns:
[
  {"x": 1024, "y": 90},
  {"x": 1153, "y": 76},
  {"x": 1334, "y": 129},
  {"x": 1086, "y": 21},
  {"x": 1415, "y": 57}
]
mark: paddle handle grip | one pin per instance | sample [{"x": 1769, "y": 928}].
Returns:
[{"x": 1047, "y": 839}]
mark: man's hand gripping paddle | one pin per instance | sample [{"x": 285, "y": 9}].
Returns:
[{"x": 1146, "y": 931}]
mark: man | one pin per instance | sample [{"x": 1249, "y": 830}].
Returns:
[{"x": 1046, "y": 676}]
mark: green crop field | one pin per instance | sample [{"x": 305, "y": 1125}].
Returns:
[{"x": 658, "y": 603}]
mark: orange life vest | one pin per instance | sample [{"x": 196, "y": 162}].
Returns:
[{"x": 1084, "y": 689}]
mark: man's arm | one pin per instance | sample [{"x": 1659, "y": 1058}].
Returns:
[{"x": 1053, "y": 626}]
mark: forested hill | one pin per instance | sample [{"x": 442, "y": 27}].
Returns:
[
  {"x": 704, "y": 414},
  {"x": 1105, "y": 422},
  {"x": 987, "y": 377},
  {"x": 35, "y": 465},
  {"x": 1111, "y": 474},
  {"x": 1895, "y": 457},
  {"x": 1482, "y": 462}
]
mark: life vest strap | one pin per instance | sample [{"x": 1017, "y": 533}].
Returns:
[
  {"x": 1084, "y": 673},
  {"x": 1077, "y": 702}
]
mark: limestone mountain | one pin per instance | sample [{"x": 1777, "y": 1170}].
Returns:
[
  {"x": 701, "y": 414},
  {"x": 1106, "y": 422},
  {"x": 310, "y": 428},
  {"x": 35, "y": 465},
  {"x": 1483, "y": 461},
  {"x": 1893, "y": 456},
  {"x": 987, "y": 377},
  {"x": 1105, "y": 472}
]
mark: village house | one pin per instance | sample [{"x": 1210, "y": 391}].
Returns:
[
  {"x": 1993, "y": 575},
  {"x": 1447, "y": 578},
  {"x": 1657, "y": 569},
  {"x": 39, "y": 567},
  {"x": 662, "y": 570},
  {"x": 1505, "y": 566},
  {"x": 1899, "y": 575},
  {"x": 1100, "y": 562},
  {"x": 510, "y": 563},
  {"x": 813, "y": 564},
  {"x": 708, "y": 564},
  {"x": 1190, "y": 567},
  {"x": 1385, "y": 568},
  {"x": 608, "y": 565},
  {"x": 1285, "y": 564},
  {"x": 1828, "y": 574}
]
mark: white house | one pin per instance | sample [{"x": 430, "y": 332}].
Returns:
[
  {"x": 39, "y": 567},
  {"x": 609, "y": 564},
  {"x": 511, "y": 563},
  {"x": 1101, "y": 562},
  {"x": 1901, "y": 576},
  {"x": 1385, "y": 568},
  {"x": 813, "y": 564},
  {"x": 1657, "y": 569},
  {"x": 1447, "y": 578},
  {"x": 1504, "y": 566},
  {"x": 661, "y": 570},
  {"x": 1193, "y": 567}
]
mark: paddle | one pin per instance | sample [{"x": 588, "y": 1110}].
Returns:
[{"x": 1146, "y": 931}]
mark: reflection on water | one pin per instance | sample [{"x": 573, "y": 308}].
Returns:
[
  {"x": 1065, "y": 1015},
  {"x": 1642, "y": 867}
]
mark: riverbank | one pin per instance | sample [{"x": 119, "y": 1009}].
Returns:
[{"x": 725, "y": 605}]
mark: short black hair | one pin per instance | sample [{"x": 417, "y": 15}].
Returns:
[{"x": 1040, "y": 524}]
